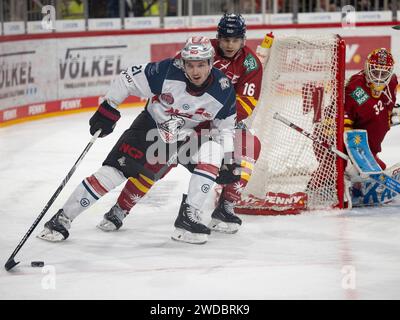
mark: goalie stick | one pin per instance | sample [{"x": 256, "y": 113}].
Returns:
[
  {"x": 376, "y": 175},
  {"x": 11, "y": 262}
]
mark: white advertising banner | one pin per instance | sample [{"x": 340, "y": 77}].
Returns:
[
  {"x": 15, "y": 27},
  {"x": 70, "y": 25},
  {"x": 251, "y": 19},
  {"x": 104, "y": 24},
  {"x": 205, "y": 21},
  {"x": 37, "y": 27},
  {"x": 87, "y": 68},
  {"x": 280, "y": 18},
  {"x": 320, "y": 17},
  {"x": 177, "y": 22},
  {"x": 141, "y": 23},
  {"x": 28, "y": 72},
  {"x": 370, "y": 16}
]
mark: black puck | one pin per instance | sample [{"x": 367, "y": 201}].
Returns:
[{"x": 37, "y": 264}]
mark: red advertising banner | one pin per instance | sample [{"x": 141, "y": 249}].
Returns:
[
  {"x": 51, "y": 107},
  {"x": 358, "y": 48}
]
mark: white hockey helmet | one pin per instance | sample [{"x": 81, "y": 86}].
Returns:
[{"x": 198, "y": 48}]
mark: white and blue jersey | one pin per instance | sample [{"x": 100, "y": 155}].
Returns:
[{"x": 173, "y": 106}]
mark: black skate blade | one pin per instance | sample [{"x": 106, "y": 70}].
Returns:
[{"x": 10, "y": 264}]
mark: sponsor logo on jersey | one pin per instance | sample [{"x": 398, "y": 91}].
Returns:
[
  {"x": 224, "y": 82},
  {"x": 207, "y": 115},
  {"x": 36, "y": 109},
  {"x": 359, "y": 95},
  {"x": 205, "y": 188},
  {"x": 127, "y": 76},
  {"x": 84, "y": 202},
  {"x": 131, "y": 151},
  {"x": 167, "y": 98},
  {"x": 250, "y": 63},
  {"x": 122, "y": 161},
  {"x": 70, "y": 104},
  {"x": 185, "y": 107},
  {"x": 171, "y": 111}
]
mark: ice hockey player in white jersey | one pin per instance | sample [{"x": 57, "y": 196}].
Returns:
[{"x": 185, "y": 95}]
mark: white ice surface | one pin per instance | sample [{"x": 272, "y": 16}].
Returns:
[{"x": 336, "y": 254}]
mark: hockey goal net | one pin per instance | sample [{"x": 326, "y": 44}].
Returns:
[{"x": 304, "y": 82}]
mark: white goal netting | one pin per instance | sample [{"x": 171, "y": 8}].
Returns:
[{"x": 303, "y": 81}]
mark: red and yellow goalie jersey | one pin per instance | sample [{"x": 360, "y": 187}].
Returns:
[
  {"x": 245, "y": 72},
  {"x": 362, "y": 111}
]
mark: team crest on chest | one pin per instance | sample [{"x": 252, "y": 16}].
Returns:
[{"x": 170, "y": 129}]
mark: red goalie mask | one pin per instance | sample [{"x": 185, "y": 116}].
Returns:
[{"x": 379, "y": 70}]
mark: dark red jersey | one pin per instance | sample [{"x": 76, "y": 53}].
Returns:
[
  {"x": 245, "y": 72},
  {"x": 362, "y": 111}
]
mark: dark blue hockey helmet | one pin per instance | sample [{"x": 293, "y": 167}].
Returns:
[{"x": 231, "y": 25}]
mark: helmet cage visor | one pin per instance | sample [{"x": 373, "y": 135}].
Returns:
[{"x": 379, "y": 75}]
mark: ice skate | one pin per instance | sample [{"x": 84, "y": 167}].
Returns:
[
  {"x": 56, "y": 229},
  {"x": 112, "y": 220},
  {"x": 224, "y": 219},
  {"x": 188, "y": 225}
]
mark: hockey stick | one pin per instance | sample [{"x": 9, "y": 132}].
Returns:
[
  {"x": 155, "y": 176},
  {"x": 160, "y": 173},
  {"x": 379, "y": 177},
  {"x": 11, "y": 262},
  {"x": 277, "y": 116}
]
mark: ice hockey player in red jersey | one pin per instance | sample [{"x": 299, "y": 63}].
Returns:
[
  {"x": 370, "y": 97},
  {"x": 238, "y": 62},
  {"x": 244, "y": 69}
]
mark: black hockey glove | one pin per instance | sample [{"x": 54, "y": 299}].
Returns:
[
  {"x": 229, "y": 171},
  {"x": 105, "y": 118}
]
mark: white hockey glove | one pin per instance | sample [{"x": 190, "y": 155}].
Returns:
[{"x": 395, "y": 119}]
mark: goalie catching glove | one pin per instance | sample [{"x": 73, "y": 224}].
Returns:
[
  {"x": 395, "y": 119},
  {"x": 105, "y": 118}
]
